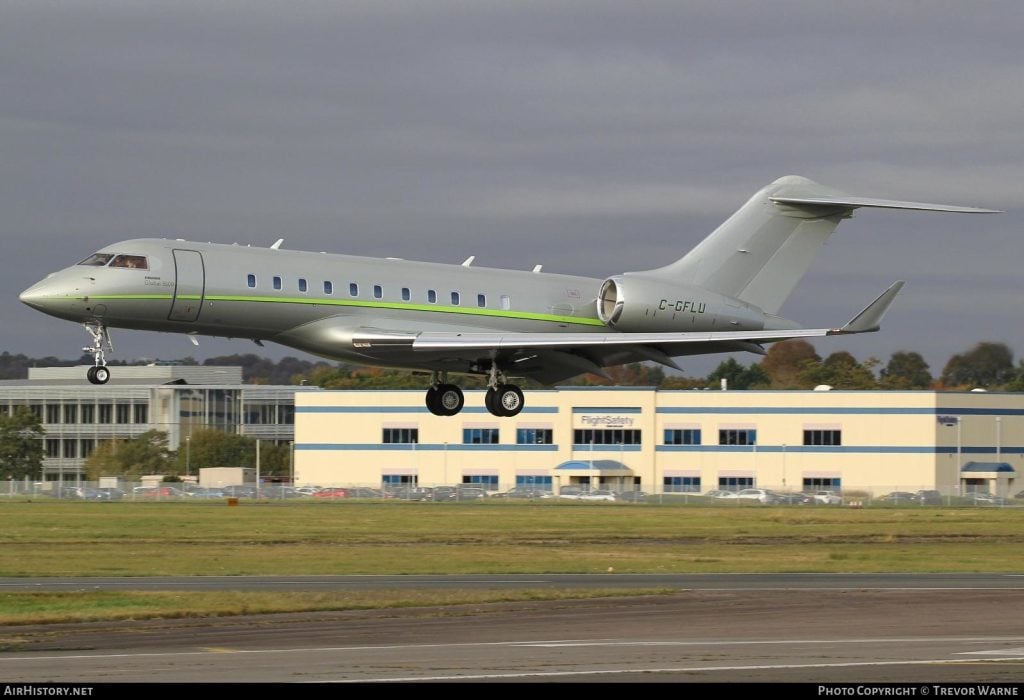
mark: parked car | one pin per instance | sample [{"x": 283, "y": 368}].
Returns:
[
  {"x": 898, "y": 498},
  {"x": 631, "y": 496},
  {"x": 793, "y": 499},
  {"x": 598, "y": 495},
  {"x": 469, "y": 493},
  {"x": 158, "y": 492},
  {"x": 572, "y": 492},
  {"x": 828, "y": 498},
  {"x": 239, "y": 491},
  {"x": 524, "y": 492},
  {"x": 763, "y": 496},
  {"x": 929, "y": 497},
  {"x": 329, "y": 494},
  {"x": 988, "y": 499},
  {"x": 719, "y": 493}
]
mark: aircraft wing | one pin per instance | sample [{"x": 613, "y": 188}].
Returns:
[{"x": 667, "y": 344}]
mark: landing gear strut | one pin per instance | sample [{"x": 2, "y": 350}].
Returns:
[
  {"x": 502, "y": 399},
  {"x": 98, "y": 374}
]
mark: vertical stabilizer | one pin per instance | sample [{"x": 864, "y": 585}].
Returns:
[{"x": 760, "y": 253}]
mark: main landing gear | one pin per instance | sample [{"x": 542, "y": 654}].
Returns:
[
  {"x": 98, "y": 374},
  {"x": 502, "y": 399}
]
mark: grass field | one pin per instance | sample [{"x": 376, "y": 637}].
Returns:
[{"x": 47, "y": 538}]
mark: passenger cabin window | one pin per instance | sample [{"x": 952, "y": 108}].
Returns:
[
  {"x": 406, "y": 296},
  {"x": 431, "y": 296},
  {"x": 481, "y": 300},
  {"x": 277, "y": 282},
  {"x": 97, "y": 259},
  {"x": 302, "y": 285},
  {"x": 251, "y": 280},
  {"x": 353, "y": 289},
  {"x": 378, "y": 291},
  {"x": 455, "y": 298},
  {"x": 137, "y": 262},
  {"x": 328, "y": 287}
]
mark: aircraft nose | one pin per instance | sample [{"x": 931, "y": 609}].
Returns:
[
  {"x": 48, "y": 296},
  {"x": 34, "y": 296}
]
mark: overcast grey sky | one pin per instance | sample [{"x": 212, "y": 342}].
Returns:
[{"x": 592, "y": 137}]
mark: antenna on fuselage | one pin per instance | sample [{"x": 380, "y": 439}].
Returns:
[
  {"x": 538, "y": 268},
  {"x": 468, "y": 261},
  {"x": 277, "y": 244}
]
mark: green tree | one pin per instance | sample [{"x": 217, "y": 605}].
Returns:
[
  {"x": 21, "y": 445},
  {"x": 142, "y": 456},
  {"x": 906, "y": 370},
  {"x": 842, "y": 371},
  {"x": 786, "y": 364},
  {"x": 207, "y": 447},
  {"x": 739, "y": 377},
  {"x": 215, "y": 448},
  {"x": 987, "y": 365}
]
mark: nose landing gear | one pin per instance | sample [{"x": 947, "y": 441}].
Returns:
[{"x": 98, "y": 374}]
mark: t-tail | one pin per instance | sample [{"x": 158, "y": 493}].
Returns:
[{"x": 763, "y": 250}]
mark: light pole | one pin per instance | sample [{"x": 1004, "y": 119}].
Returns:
[
  {"x": 188, "y": 455},
  {"x": 783, "y": 466}
]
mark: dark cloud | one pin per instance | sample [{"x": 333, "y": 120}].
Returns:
[{"x": 593, "y": 137}]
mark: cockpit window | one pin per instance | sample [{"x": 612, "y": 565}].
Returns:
[
  {"x": 97, "y": 259},
  {"x": 133, "y": 261}
]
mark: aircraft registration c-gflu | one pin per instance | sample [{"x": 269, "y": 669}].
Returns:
[{"x": 722, "y": 296}]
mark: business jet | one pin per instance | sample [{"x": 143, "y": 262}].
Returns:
[{"x": 450, "y": 319}]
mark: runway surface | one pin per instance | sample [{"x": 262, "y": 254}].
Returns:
[
  {"x": 609, "y": 580},
  {"x": 715, "y": 628}
]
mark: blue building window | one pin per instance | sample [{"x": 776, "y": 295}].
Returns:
[
  {"x": 735, "y": 483},
  {"x": 540, "y": 483},
  {"x": 485, "y": 481},
  {"x": 686, "y": 436},
  {"x": 480, "y": 436},
  {"x": 534, "y": 436},
  {"x": 823, "y": 484},
  {"x": 737, "y": 437},
  {"x": 681, "y": 484}
]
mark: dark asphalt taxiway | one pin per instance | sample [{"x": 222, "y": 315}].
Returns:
[{"x": 714, "y": 628}]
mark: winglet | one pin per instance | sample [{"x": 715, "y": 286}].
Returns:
[{"x": 870, "y": 319}]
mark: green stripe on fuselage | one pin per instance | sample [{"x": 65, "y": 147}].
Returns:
[{"x": 397, "y": 306}]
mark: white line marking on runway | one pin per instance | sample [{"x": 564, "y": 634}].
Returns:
[
  {"x": 682, "y": 669},
  {"x": 534, "y": 643}
]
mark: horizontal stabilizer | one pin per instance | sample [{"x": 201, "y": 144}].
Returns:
[
  {"x": 870, "y": 319},
  {"x": 855, "y": 202}
]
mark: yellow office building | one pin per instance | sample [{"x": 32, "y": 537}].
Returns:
[{"x": 633, "y": 438}]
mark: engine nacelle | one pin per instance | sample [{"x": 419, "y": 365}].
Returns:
[{"x": 633, "y": 303}]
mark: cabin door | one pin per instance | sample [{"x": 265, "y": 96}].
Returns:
[{"x": 190, "y": 282}]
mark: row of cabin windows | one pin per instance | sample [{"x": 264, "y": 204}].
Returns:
[{"x": 378, "y": 291}]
